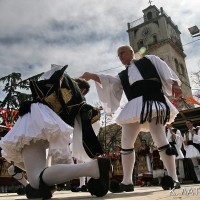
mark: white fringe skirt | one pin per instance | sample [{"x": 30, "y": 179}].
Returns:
[{"x": 42, "y": 123}]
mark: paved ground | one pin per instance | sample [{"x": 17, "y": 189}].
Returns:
[{"x": 190, "y": 191}]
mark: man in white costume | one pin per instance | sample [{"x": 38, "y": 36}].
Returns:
[
  {"x": 192, "y": 146},
  {"x": 175, "y": 139},
  {"x": 147, "y": 108},
  {"x": 47, "y": 122}
]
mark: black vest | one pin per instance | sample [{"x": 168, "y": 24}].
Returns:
[{"x": 150, "y": 89}]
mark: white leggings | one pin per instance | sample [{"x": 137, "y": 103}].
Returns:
[
  {"x": 34, "y": 157},
  {"x": 129, "y": 135},
  {"x": 131, "y": 131}
]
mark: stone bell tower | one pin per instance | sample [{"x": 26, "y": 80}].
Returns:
[{"x": 159, "y": 36}]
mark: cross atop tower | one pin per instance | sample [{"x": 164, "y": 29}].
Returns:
[{"x": 150, "y": 2}]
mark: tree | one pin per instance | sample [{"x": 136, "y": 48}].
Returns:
[
  {"x": 13, "y": 84},
  {"x": 13, "y": 97}
]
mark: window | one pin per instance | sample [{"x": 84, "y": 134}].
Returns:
[
  {"x": 149, "y": 15},
  {"x": 177, "y": 65},
  {"x": 155, "y": 40},
  {"x": 182, "y": 70}
]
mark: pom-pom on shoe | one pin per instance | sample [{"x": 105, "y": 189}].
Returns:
[
  {"x": 168, "y": 183},
  {"x": 116, "y": 187},
  {"x": 99, "y": 187}
]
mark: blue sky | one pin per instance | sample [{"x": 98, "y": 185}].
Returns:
[{"x": 81, "y": 33}]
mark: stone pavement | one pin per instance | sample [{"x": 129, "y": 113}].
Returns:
[{"x": 189, "y": 191}]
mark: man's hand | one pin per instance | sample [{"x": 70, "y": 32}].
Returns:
[
  {"x": 86, "y": 76},
  {"x": 90, "y": 76}
]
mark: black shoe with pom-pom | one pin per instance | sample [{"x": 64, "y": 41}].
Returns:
[{"x": 116, "y": 187}]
